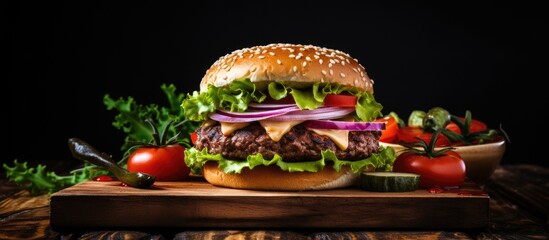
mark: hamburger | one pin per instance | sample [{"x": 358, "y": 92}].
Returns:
[{"x": 286, "y": 117}]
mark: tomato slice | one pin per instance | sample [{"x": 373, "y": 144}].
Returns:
[
  {"x": 388, "y": 135},
  {"x": 409, "y": 134},
  {"x": 476, "y": 126},
  {"x": 332, "y": 100},
  {"x": 194, "y": 137}
]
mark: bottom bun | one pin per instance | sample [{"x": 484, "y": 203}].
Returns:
[{"x": 273, "y": 178}]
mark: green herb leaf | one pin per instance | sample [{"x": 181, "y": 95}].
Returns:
[
  {"x": 131, "y": 118},
  {"x": 38, "y": 180}
]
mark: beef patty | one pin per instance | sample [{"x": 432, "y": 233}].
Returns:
[{"x": 297, "y": 145}]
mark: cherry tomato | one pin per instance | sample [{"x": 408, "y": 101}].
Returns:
[
  {"x": 476, "y": 126},
  {"x": 447, "y": 170},
  {"x": 332, "y": 100},
  {"x": 194, "y": 137},
  {"x": 409, "y": 134},
  {"x": 388, "y": 135},
  {"x": 167, "y": 163}
]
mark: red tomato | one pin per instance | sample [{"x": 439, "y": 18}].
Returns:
[
  {"x": 194, "y": 137},
  {"x": 166, "y": 163},
  {"x": 409, "y": 134},
  {"x": 447, "y": 170},
  {"x": 388, "y": 135},
  {"x": 332, "y": 100},
  {"x": 476, "y": 126}
]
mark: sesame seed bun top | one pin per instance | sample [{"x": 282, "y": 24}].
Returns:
[{"x": 296, "y": 65}]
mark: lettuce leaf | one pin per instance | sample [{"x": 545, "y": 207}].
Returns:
[
  {"x": 236, "y": 96},
  {"x": 382, "y": 161},
  {"x": 131, "y": 116},
  {"x": 39, "y": 181}
]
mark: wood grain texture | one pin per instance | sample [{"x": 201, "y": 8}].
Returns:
[
  {"x": 197, "y": 204},
  {"x": 23, "y": 216}
]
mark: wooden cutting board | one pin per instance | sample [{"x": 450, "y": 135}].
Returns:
[{"x": 197, "y": 204}]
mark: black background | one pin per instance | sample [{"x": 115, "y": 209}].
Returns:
[{"x": 64, "y": 57}]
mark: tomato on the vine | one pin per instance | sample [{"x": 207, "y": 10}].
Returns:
[
  {"x": 388, "y": 135},
  {"x": 410, "y": 135},
  {"x": 340, "y": 100},
  {"x": 442, "y": 168},
  {"x": 447, "y": 170},
  {"x": 165, "y": 159},
  {"x": 167, "y": 163}
]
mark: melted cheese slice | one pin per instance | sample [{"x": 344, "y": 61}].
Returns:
[
  {"x": 228, "y": 128},
  {"x": 277, "y": 129},
  {"x": 340, "y": 137}
]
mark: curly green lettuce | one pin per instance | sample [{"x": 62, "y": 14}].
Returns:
[
  {"x": 38, "y": 180},
  {"x": 236, "y": 96},
  {"x": 130, "y": 118},
  {"x": 381, "y": 161}
]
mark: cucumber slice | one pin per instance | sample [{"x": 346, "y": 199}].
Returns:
[{"x": 389, "y": 181}]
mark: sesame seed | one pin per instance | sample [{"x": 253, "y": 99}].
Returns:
[
  {"x": 279, "y": 62},
  {"x": 291, "y": 50},
  {"x": 324, "y": 72},
  {"x": 355, "y": 70},
  {"x": 271, "y": 53},
  {"x": 336, "y": 60},
  {"x": 292, "y": 56},
  {"x": 264, "y": 51},
  {"x": 295, "y": 68},
  {"x": 316, "y": 56},
  {"x": 260, "y": 56},
  {"x": 330, "y": 65},
  {"x": 301, "y": 49},
  {"x": 347, "y": 60},
  {"x": 251, "y": 55},
  {"x": 308, "y": 58},
  {"x": 304, "y": 64},
  {"x": 331, "y": 72},
  {"x": 342, "y": 75},
  {"x": 320, "y": 61},
  {"x": 298, "y": 56}
]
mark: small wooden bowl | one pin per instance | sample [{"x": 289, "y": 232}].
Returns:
[{"x": 480, "y": 160}]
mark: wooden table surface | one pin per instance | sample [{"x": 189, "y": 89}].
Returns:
[{"x": 519, "y": 209}]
